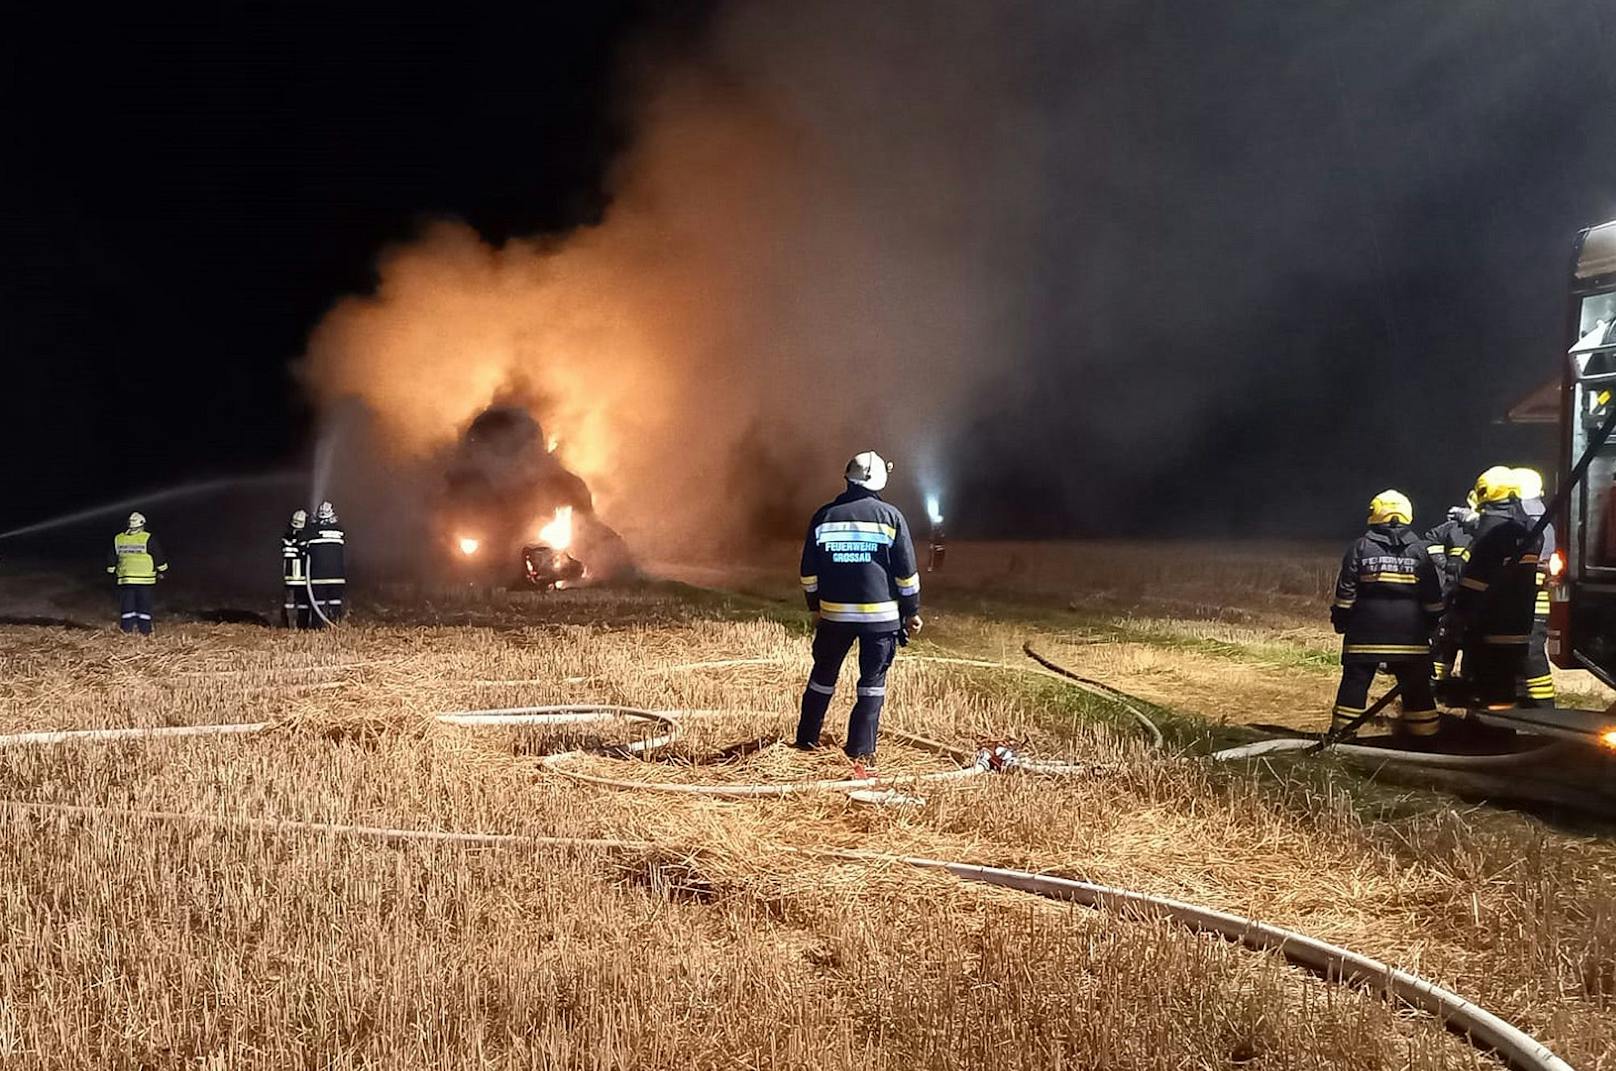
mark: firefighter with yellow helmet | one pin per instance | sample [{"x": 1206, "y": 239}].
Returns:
[
  {"x": 1491, "y": 613},
  {"x": 1537, "y": 685},
  {"x": 138, "y": 562},
  {"x": 1387, "y": 599}
]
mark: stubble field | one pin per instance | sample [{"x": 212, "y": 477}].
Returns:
[{"x": 155, "y": 914}]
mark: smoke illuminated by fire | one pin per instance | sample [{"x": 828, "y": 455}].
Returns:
[
  {"x": 798, "y": 262},
  {"x": 468, "y": 545}
]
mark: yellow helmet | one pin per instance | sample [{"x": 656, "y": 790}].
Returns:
[
  {"x": 1528, "y": 483},
  {"x": 1496, "y": 485},
  {"x": 1391, "y": 506}
]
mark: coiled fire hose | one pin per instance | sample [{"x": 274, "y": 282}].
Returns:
[{"x": 1335, "y": 964}]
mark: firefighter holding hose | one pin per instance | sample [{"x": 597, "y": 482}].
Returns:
[
  {"x": 863, "y": 586},
  {"x": 324, "y": 560},
  {"x": 1387, "y": 599},
  {"x": 1492, "y": 608},
  {"x": 138, "y": 562}
]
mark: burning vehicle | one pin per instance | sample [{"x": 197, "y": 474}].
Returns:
[{"x": 509, "y": 513}]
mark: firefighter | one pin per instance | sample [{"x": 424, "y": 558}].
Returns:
[
  {"x": 1449, "y": 543},
  {"x": 862, "y": 585},
  {"x": 1491, "y": 613},
  {"x": 295, "y": 597},
  {"x": 1387, "y": 599},
  {"x": 323, "y": 554},
  {"x": 138, "y": 562},
  {"x": 1537, "y": 685}
]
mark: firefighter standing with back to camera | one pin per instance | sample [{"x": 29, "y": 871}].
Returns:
[
  {"x": 138, "y": 562},
  {"x": 863, "y": 586},
  {"x": 1449, "y": 543},
  {"x": 1538, "y": 683},
  {"x": 326, "y": 567},
  {"x": 1387, "y": 600},
  {"x": 1491, "y": 613},
  {"x": 295, "y": 600}
]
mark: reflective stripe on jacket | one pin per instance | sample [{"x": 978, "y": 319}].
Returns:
[
  {"x": 1387, "y": 596},
  {"x": 136, "y": 558},
  {"x": 1449, "y": 546},
  {"x": 292, "y": 556},
  {"x": 858, "y": 563},
  {"x": 1535, "y": 508},
  {"x": 1494, "y": 602},
  {"x": 323, "y": 552}
]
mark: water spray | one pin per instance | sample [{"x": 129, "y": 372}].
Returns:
[
  {"x": 150, "y": 498},
  {"x": 934, "y": 513},
  {"x": 325, "y": 455}
]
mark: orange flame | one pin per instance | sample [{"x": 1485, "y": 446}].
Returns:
[
  {"x": 557, "y": 532},
  {"x": 468, "y": 545}
]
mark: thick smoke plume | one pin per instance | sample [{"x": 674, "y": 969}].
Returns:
[{"x": 815, "y": 244}]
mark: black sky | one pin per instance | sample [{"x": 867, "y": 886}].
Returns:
[{"x": 1293, "y": 253}]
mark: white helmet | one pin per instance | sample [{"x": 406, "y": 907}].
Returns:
[
  {"x": 137, "y": 521},
  {"x": 326, "y": 513},
  {"x": 868, "y": 470},
  {"x": 300, "y": 518}
]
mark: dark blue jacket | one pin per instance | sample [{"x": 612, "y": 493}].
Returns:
[
  {"x": 858, "y": 563},
  {"x": 1388, "y": 597},
  {"x": 1493, "y": 604}
]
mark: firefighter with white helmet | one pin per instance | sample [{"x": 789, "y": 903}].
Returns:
[
  {"x": 860, "y": 580},
  {"x": 295, "y": 589},
  {"x": 1491, "y": 613},
  {"x": 1387, "y": 600},
  {"x": 138, "y": 562},
  {"x": 1537, "y": 684},
  {"x": 324, "y": 557}
]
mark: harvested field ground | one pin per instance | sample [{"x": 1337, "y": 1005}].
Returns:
[{"x": 132, "y": 942}]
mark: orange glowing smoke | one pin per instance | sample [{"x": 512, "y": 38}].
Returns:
[
  {"x": 557, "y": 531},
  {"x": 814, "y": 246}
]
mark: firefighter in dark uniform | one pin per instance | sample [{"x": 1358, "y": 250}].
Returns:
[
  {"x": 295, "y": 591},
  {"x": 863, "y": 586},
  {"x": 323, "y": 557},
  {"x": 1449, "y": 543},
  {"x": 138, "y": 562},
  {"x": 1490, "y": 616},
  {"x": 1536, "y": 689},
  {"x": 1388, "y": 598}
]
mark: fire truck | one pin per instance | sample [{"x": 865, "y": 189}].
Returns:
[{"x": 1582, "y": 615}]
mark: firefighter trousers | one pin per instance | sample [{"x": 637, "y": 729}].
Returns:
[
  {"x": 1537, "y": 687},
  {"x": 1492, "y": 670},
  {"x": 328, "y": 600},
  {"x": 135, "y": 608},
  {"x": 876, "y": 652},
  {"x": 295, "y": 606},
  {"x": 1419, "y": 716}
]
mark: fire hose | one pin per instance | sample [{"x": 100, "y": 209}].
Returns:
[{"x": 1332, "y": 962}]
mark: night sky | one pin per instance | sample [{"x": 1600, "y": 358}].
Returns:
[{"x": 1296, "y": 252}]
